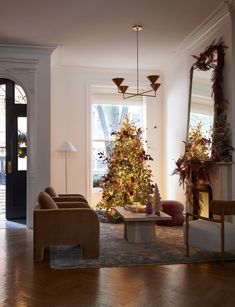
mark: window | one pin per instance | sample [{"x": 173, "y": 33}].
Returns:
[
  {"x": 22, "y": 143},
  {"x": 107, "y": 114},
  {"x": 206, "y": 121},
  {"x": 20, "y": 96}
]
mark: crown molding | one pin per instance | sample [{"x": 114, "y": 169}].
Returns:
[
  {"x": 57, "y": 63},
  {"x": 211, "y": 24},
  {"x": 39, "y": 49},
  {"x": 17, "y": 60}
]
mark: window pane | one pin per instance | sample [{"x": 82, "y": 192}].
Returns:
[
  {"x": 20, "y": 97},
  {"x": 205, "y": 120},
  {"x": 105, "y": 119},
  {"x": 22, "y": 143}
]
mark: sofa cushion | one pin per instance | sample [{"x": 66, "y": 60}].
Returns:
[
  {"x": 46, "y": 202},
  {"x": 51, "y": 191}
]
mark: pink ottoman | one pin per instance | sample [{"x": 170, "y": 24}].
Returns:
[{"x": 175, "y": 209}]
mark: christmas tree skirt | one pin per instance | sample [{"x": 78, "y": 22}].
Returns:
[{"x": 116, "y": 251}]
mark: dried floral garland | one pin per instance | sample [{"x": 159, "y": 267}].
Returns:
[{"x": 213, "y": 58}]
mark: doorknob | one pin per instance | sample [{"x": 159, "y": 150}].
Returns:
[{"x": 9, "y": 167}]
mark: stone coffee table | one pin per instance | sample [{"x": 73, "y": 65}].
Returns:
[{"x": 140, "y": 227}]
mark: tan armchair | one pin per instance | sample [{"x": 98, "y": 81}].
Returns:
[
  {"x": 51, "y": 191},
  {"x": 214, "y": 234},
  {"x": 65, "y": 223}
]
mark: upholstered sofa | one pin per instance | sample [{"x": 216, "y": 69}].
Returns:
[{"x": 65, "y": 223}]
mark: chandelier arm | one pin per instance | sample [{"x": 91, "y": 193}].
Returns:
[
  {"x": 148, "y": 91},
  {"x": 138, "y": 94},
  {"x": 134, "y": 95},
  {"x": 147, "y": 95},
  {"x": 130, "y": 95}
]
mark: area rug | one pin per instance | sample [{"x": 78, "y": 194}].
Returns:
[{"x": 116, "y": 251}]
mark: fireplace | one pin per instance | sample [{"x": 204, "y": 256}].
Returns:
[
  {"x": 220, "y": 188},
  {"x": 205, "y": 195}
]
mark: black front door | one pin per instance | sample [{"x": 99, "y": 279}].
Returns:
[{"x": 16, "y": 150}]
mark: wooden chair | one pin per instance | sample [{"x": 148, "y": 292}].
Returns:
[{"x": 214, "y": 234}]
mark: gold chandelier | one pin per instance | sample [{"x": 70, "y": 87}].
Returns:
[{"x": 153, "y": 78}]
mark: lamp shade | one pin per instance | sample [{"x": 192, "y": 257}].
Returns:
[{"x": 67, "y": 146}]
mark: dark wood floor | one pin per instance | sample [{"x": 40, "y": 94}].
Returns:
[{"x": 23, "y": 283}]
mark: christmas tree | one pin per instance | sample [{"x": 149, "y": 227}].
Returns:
[
  {"x": 128, "y": 178},
  {"x": 198, "y": 146}
]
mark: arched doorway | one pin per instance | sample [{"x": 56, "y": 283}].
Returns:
[{"x": 13, "y": 149}]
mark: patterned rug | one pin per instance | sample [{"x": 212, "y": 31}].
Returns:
[{"x": 116, "y": 251}]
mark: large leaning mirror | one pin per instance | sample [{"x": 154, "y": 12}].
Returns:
[
  {"x": 208, "y": 132},
  {"x": 207, "y": 106}
]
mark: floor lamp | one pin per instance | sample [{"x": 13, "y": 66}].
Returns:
[{"x": 66, "y": 147}]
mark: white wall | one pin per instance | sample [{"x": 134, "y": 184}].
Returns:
[
  {"x": 176, "y": 99},
  {"x": 70, "y": 120},
  {"x": 29, "y": 66},
  {"x": 176, "y": 95}
]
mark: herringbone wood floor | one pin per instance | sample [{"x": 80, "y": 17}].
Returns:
[{"x": 24, "y": 283}]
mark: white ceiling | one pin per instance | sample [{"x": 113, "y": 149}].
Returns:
[{"x": 97, "y": 33}]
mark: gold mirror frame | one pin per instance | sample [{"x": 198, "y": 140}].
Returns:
[
  {"x": 191, "y": 167},
  {"x": 213, "y": 58}
]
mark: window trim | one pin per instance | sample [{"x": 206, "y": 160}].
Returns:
[{"x": 93, "y": 100}]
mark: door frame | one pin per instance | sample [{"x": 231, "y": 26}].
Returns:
[
  {"x": 25, "y": 76},
  {"x": 30, "y": 67}
]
